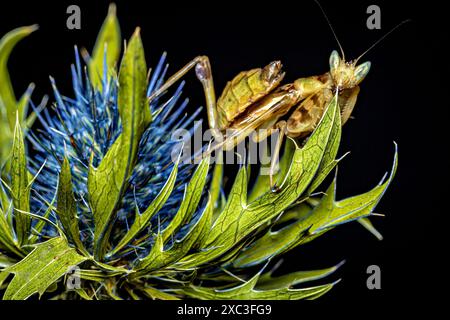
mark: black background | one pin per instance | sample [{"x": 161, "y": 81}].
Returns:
[{"x": 404, "y": 98}]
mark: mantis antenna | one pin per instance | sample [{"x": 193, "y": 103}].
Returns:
[
  {"x": 382, "y": 38},
  {"x": 331, "y": 27},
  {"x": 371, "y": 47}
]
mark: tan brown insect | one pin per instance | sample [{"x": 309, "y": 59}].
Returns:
[{"x": 255, "y": 100}]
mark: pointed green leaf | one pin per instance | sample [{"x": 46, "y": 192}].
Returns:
[
  {"x": 7, "y": 96},
  {"x": 48, "y": 262},
  {"x": 237, "y": 200},
  {"x": 268, "y": 282},
  {"x": 329, "y": 156},
  {"x": 66, "y": 205},
  {"x": 270, "y": 245},
  {"x": 108, "y": 39},
  {"x": 107, "y": 183},
  {"x": 328, "y": 214},
  {"x": 192, "y": 196},
  {"x": 20, "y": 186},
  {"x": 142, "y": 221},
  {"x": 248, "y": 291},
  {"x": 366, "y": 223},
  {"x": 203, "y": 226}
]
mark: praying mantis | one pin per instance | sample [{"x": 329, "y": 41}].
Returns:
[{"x": 256, "y": 100}]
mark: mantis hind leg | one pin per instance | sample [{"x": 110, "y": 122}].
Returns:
[{"x": 204, "y": 75}]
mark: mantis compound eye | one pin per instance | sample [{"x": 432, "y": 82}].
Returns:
[
  {"x": 361, "y": 72},
  {"x": 335, "y": 60}
]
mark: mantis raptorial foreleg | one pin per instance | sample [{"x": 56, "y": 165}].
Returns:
[
  {"x": 347, "y": 101},
  {"x": 204, "y": 75}
]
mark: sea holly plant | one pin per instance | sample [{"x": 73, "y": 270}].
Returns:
[{"x": 93, "y": 188}]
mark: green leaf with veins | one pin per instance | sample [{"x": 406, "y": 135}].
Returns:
[
  {"x": 249, "y": 291},
  {"x": 20, "y": 187},
  {"x": 191, "y": 199},
  {"x": 107, "y": 183},
  {"x": 67, "y": 207},
  {"x": 268, "y": 282},
  {"x": 48, "y": 262},
  {"x": 328, "y": 214},
  {"x": 329, "y": 155}
]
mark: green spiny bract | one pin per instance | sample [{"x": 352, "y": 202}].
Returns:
[{"x": 101, "y": 196}]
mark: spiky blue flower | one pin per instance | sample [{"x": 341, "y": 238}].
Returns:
[{"x": 83, "y": 128}]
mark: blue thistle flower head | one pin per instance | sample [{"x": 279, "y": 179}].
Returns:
[{"x": 83, "y": 127}]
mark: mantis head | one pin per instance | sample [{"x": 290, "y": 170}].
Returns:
[{"x": 347, "y": 75}]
